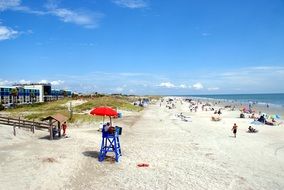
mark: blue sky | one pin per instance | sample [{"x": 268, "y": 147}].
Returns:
[{"x": 144, "y": 46}]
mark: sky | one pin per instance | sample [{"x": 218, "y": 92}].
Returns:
[{"x": 145, "y": 47}]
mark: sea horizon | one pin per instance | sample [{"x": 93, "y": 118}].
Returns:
[{"x": 270, "y": 99}]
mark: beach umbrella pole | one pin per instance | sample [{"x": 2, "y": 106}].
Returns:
[{"x": 110, "y": 120}]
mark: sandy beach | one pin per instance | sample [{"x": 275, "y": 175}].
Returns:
[{"x": 193, "y": 154}]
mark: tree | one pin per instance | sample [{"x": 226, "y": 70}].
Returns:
[
  {"x": 65, "y": 93},
  {"x": 74, "y": 95},
  {"x": 32, "y": 97},
  {"x": 14, "y": 94},
  {"x": 1, "y": 107}
]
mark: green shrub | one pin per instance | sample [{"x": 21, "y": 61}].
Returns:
[{"x": 1, "y": 107}]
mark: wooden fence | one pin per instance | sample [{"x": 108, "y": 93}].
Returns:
[{"x": 21, "y": 123}]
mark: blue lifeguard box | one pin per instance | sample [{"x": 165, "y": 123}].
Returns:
[
  {"x": 119, "y": 115},
  {"x": 110, "y": 143}
]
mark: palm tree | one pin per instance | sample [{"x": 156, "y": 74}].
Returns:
[
  {"x": 1, "y": 105},
  {"x": 32, "y": 97},
  {"x": 65, "y": 93},
  {"x": 14, "y": 92}
]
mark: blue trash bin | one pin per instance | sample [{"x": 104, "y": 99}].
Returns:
[
  {"x": 119, "y": 115},
  {"x": 119, "y": 130}
]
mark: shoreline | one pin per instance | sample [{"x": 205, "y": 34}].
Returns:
[
  {"x": 246, "y": 98},
  {"x": 271, "y": 110}
]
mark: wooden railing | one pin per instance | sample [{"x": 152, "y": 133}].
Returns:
[{"x": 21, "y": 123}]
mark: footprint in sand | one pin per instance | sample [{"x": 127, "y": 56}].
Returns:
[
  {"x": 209, "y": 154},
  {"x": 239, "y": 182}
]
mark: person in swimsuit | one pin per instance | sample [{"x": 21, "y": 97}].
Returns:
[
  {"x": 64, "y": 127},
  {"x": 234, "y": 129}
]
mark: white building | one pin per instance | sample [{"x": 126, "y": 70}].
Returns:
[{"x": 44, "y": 90}]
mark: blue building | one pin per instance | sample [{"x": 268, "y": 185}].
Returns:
[
  {"x": 30, "y": 93},
  {"x": 58, "y": 94},
  {"x": 18, "y": 95}
]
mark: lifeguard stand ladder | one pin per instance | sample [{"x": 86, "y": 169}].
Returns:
[{"x": 110, "y": 143}]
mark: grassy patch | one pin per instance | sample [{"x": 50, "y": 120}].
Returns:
[
  {"x": 41, "y": 115},
  {"x": 114, "y": 102},
  {"x": 41, "y": 110},
  {"x": 84, "y": 118},
  {"x": 39, "y": 107},
  {"x": 38, "y": 111}
]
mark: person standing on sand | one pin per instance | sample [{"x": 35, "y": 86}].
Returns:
[
  {"x": 64, "y": 127},
  {"x": 234, "y": 129}
]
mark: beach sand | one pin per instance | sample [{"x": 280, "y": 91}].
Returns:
[{"x": 198, "y": 154}]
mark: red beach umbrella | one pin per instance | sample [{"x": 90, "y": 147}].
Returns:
[{"x": 104, "y": 111}]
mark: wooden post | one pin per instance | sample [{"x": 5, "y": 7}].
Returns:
[
  {"x": 70, "y": 111},
  {"x": 51, "y": 129},
  {"x": 59, "y": 129},
  {"x": 14, "y": 130},
  {"x": 33, "y": 126},
  {"x": 51, "y": 132},
  {"x": 19, "y": 122}
]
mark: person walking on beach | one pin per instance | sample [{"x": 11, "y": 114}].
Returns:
[
  {"x": 64, "y": 127},
  {"x": 234, "y": 129}
]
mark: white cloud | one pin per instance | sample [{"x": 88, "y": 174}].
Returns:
[
  {"x": 15, "y": 5},
  {"x": 131, "y": 91},
  {"x": 182, "y": 86},
  {"x": 5, "y": 82},
  {"x": 57, "y": 82},
  {"x": 82, "y": 18},
  {"x": 133, "y": 74},
  {"x": 132, "y": 4},
  {"x": 7, "y": 33},
  {"x": 23, "y": 81},
  {"x": 167, "y": 85},
  {"x": 197, "y": 86},
  {"x": 43, "y": 81},
  {"x": 119, "y": 89},
  {"x": 7, "y": 4},
  {"x": 264, "y": 68},
  {"x": 28, "y": 10},
  {"x": 76, "y": 17},
  {"x": 213, "y": 88},
  {"x": 171, "y": 85},
  {"x": 253, "y": 79}
]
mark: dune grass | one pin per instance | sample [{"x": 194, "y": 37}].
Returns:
[
  {"x": 58, "y": 105},
  {"x": 41, "y": 110},
  {"x": 85, "y": 118},
  {"x": 111, "y": 101},
  {"x": 37, "y": 111}
]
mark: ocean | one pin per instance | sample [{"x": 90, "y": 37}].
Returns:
[{"x": 275, "y": 100}]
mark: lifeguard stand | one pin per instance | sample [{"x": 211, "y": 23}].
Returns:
[{"x": 110, "y": 143}]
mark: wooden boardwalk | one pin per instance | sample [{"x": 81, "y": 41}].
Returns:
[{"x": 21, "y": 123}]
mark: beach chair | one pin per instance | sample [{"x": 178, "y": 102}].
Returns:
[{"x": 110, "y": 143}]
